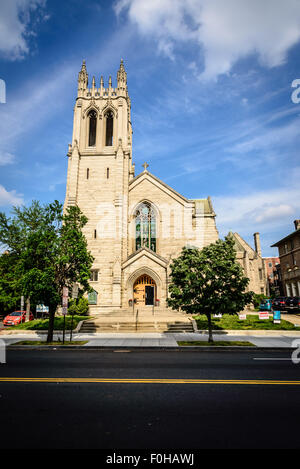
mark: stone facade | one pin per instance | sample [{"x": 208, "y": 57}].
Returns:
[
  {"x": 252, "y": 263},
  {"x": 289, "y": 254},
  {"x": 136, "y": 224}
]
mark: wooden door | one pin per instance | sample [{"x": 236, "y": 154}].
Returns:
[{"x": 142, "y": 297}]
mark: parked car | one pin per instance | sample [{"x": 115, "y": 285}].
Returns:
[
  {"x": 279, "y": 303},
  {"x": 293, "y": 304},
  {"x": 16, "y": 317},
  {"x": 265, "y": 305}
]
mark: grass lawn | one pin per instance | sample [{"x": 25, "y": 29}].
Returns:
[
  {"x": 217, "y": 342},
  {"x": 229, "y": 321},
  {"x": 37, "y": 342},
  {"x": 42, "y": 324}
]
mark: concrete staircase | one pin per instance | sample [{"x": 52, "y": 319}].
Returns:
[{"x": 143, "y": 320}]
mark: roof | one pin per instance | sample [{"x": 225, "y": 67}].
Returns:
[
  {"x": 202, "y": 206},
  {"x": 286, "y": 238},
  {"x": 240, "y": 243}
]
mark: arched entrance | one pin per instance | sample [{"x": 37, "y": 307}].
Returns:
[{"x": 144, "y": 291}]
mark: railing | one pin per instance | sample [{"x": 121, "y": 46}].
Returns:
[
  {"x": 292, "y": 274},
  {"x": 136, "y": 319}
]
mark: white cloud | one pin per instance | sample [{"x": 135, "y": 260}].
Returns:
[
  {"x": 6, "y": 158},
  {"x": 27, "y": 109},
  {"x": 267, "y": 210},
  {"x": 275, "y": 212},
  {"x": 15, "y": 16},
  {"x": 274, "y": 137},
  {"x": 226, "y": 31},
  {"x": 10, "y": 198}
]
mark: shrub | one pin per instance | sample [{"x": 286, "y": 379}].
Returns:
[
  {"x": 79, "y": 307},
  {"x": 257, "y": 299}
]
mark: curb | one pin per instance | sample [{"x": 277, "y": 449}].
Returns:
[
  {"x": 200, "y": 348},
  {"x": 240, "y": 332}
]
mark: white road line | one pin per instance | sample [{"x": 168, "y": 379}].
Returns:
[{"x": 276, "y": 359}]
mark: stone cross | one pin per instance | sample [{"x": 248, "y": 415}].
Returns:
[{"x": 145, "y": 166}]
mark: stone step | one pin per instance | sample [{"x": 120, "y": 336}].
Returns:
[
  {"x": 142, "y": 311},
  {"x": 132, "y": 326}
]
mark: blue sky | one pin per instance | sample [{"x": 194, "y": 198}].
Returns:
[{"x": 210, "y": 84}]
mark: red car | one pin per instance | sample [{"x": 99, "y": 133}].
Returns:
[{"x": 16, "y": 317}]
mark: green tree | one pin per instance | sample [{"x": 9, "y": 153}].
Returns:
[
  {"x": 50, "y": 252},
  {"x": 258, "y": 298},
  {"x": 208, "y": 281},
  {"x": 9, "y": 292},
  {"x": 79, "y": 307}
]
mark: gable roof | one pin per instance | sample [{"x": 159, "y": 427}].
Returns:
[
  {"x": 144, "y": 251},
  {"x": 201, "y": 205},
  {"x": 241, "y": 244},
  {"x": 158, "y": 182}
]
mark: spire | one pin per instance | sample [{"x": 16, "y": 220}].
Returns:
[
  {"x": 82, "y": 78},
  {"x": 122, "y": 76},
  {"x": 83, "y": 67}
]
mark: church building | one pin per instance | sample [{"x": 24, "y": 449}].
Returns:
[{"x": 136, "y": 222}]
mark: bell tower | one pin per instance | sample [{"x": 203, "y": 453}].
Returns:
[{"x": 99, "y": 169}]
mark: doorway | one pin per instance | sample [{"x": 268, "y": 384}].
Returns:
[{"x": 144, "y": 291}]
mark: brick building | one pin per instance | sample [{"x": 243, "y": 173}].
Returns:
[
  {"x": 273, "y": 275},
  {"x": 289, "y": 254}
]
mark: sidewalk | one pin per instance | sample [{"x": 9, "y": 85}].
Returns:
[{"x": 273, "y": 340}]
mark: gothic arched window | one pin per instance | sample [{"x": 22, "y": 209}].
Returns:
[
  {"x": 145, "y": 227},
  {"x": 109, "y": 117},
  {"x": 92, "y": 128}
]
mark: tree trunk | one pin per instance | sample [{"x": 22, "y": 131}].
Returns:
[
  {"x": 51, "y": 324},
  {"x": 210, "y": 336},
  {"x": 27, "y": 309}
]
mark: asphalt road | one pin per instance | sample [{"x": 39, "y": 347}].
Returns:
[{"x": 227, "y": 410}]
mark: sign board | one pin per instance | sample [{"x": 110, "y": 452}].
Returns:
[
  {"x": 65, "y": 310},
  {"x": 92, "y": 298},
  {"x": 264, "y": 315},
  {"x": 242, "y": 316},
  {"x": 65, "y": 296},
  {"x": 42, "y": 308},
  {"x": 276, "y": 317},
  {"x": 22, "y": 303}
]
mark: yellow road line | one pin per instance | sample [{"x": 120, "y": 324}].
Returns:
[{"x": 148, "y": 381}]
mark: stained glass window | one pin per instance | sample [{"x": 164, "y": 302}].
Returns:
[{"x": 145, "y": 227}]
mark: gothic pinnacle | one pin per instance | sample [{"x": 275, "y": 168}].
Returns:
[{"x": 122, "y": 76}]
